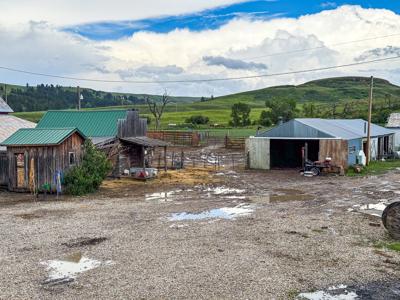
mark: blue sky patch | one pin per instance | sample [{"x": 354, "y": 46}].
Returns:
[{"x": 215, "y": 18}]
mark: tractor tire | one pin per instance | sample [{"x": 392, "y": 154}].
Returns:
[{"x": 391, "y": 219}]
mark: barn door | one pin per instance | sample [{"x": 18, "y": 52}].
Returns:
[{"x": 21, "y": 170}]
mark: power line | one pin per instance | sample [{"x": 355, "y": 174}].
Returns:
[
  {"x": 319, "y": 47},
  {"x": 201, "y": 80}
]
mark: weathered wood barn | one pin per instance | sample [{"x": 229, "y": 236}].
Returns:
[
  {"x": 35, "y": 156},
  {"x": 341, "y": 140},
  {"x": 131, "y": 148},
  {"x": 121, "y": 134}
]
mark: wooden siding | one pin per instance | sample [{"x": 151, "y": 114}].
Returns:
[
  {"x": 132, "y": 126},
  {"x": 42, "y": 162},
  {"x": 336, "y": 149},
  {"x": 3, "y": 168}
]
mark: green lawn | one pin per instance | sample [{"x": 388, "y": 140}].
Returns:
[{"x": 376, "y": 168}]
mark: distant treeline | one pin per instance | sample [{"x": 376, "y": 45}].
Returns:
[{"x": 50, "y": 97}]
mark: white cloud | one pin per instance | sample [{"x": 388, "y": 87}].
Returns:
[
  {"x": 179, "y": 54},
  {"x": 71, "y": 12}
]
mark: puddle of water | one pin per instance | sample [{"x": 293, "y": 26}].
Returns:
[
  {"x": 67, "y": 270},
  {"x": 221, "y": 190},
  {"x": 375, "y": 209},
  {"x": 229, "y": 213},
  {"x": 281, "y": 197},
  {"x": 333, "y": 293},
  {"x": 163, "y": 196}
]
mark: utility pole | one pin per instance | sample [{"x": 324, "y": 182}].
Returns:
[
  {"x": 79, "y": 98},
  {"x": 371, "y": 90}
]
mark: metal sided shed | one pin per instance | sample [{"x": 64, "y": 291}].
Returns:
[{"x": 339, "y": 139}]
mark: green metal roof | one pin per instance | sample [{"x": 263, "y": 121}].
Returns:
[
  {"x": 99, "y": 123},
  {"x": 39, "y": 136}
]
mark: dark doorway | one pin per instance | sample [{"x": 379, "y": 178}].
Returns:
[{"x": 288, "y": 153}]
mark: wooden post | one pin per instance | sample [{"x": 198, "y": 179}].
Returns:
[
  {"x": 182, "y": 159},
  {"x": 371, "y": 90},
  {"x": 144, "y": 161},
  {"x": 165, "y": 159}
]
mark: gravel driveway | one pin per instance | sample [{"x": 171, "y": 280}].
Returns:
[{"x": 246, "y": 235}]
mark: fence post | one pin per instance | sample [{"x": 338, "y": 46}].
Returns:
[{"x": 182, "y": 159}]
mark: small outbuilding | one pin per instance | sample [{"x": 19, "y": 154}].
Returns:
[
  {"x": 339, "y": 139},
  {"x": 38, "y": 157},
  {"x": 393, "y": 124}
]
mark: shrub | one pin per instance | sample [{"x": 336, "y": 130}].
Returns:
[
  {"x": 88, "y": 176},
  {"x": 198, "y": 120}
]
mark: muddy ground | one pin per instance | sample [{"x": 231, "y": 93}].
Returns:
[{"x": 201, "y": 234}]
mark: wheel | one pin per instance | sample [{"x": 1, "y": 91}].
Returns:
[
  {"x": 391, "y": 219},
  {"x": 315, "y": 171}
]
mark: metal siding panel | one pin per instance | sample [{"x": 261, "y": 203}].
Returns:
[{"x": 258, "y": 150}]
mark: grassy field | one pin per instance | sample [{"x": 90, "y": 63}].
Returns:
[{"x": 376, "y": 168}]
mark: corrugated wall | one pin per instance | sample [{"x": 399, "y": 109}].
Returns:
[{"x": 258, "y": 150}]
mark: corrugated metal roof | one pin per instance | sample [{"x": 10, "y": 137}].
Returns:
[
  {"x": 39, "y": 136},
  {"x": 99, "y": 123},
  {"x": 394, "y": 120},
  {"x": 10, "y": 124},
  {"x": 145, "y": 141},
  {"x": 4, "y": 107},
  {"x": 347, "y": 129}
]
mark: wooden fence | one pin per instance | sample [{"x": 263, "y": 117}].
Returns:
[
  {"x": 235, "y": 143},
  {"x": 179, "y": 138}
]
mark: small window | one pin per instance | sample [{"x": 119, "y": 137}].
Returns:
[{"x": 72, "y": 160}]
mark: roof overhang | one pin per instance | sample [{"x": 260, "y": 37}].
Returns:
[{"x": 144, "y": 141}]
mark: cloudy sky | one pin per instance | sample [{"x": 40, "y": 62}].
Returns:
[{"x": 180, "y": 40}]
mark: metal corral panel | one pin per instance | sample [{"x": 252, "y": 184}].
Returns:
[{"x": 258, "y": 150}]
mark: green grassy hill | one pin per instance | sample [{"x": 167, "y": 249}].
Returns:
[
  {"x": 324, "y": 93},
  {"x": 324, "y": 90}
]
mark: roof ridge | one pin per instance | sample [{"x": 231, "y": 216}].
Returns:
[{"x": 87, "y": 111}]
